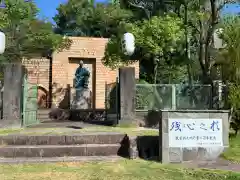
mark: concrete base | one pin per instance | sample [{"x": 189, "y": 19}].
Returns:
[
  {"x": 81, "y": 99},
  {"x": 10, "y": 123}
]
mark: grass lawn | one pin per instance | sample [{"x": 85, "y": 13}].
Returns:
[
  {"x": 233, "y": 152},
  {"x": 120, "y": 170},
  {"x": 61, "y": 131}
]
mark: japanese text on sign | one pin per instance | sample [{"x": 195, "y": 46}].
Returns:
[{"x": 195, "y": 132}]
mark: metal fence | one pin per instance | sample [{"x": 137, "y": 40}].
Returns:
[{"x": 180, "y": 96}]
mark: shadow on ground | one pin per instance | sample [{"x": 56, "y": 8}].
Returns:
[{"x": 148, "y": 147}]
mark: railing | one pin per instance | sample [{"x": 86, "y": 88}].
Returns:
[{"x": 179, "y": 96}]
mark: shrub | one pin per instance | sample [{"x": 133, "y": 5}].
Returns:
[{"x": 234, "y": 101}]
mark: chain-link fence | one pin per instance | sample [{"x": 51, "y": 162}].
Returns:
[
  {"x": 153, "y": 96},
  {"x": 180, "y": 96}
]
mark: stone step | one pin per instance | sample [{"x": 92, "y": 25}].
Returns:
[
  {"x": 59, "y": 159},
  {"x": 43, "y": 114},
  {"x": 43, "y": 117},
  {"x": 59, "y": 150},
  {"x": 86, "y": 138}
]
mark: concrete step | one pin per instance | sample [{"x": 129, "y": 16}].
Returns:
[
  {"x": 59, "y": 159},
  {"x": 43, "y": 111},
  {"x": 42, "y": 114},
  {"x": 43, "y": 118},
  {"x": 78, "y": 139},
  {"x": 59, "y": 150}
]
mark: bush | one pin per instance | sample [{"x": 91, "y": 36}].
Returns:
[{"x": 234, "y": 101}]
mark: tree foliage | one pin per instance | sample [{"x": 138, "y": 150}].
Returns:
[
  {"x": 145, "y": 9},
  {"x": 158, "y": 36},
  {"x": 86, "y": 18},
  {"x": 27, "y": 36},
  {"x": 157, "y": 40},
  {"x": 230, "y": 54},
  {"x": 201, "y": 18},
  {"x": 234, "y": 101},
  {"x": 229, "y": 59}
]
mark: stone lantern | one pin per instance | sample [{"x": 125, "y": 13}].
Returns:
[
  {"x": 128, "y": 44},
  {"x": 2, "y": 42}
]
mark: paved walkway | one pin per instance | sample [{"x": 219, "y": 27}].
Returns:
[
  {"x": 59, "y": 159},
  {"x": 220, "y": 164}
]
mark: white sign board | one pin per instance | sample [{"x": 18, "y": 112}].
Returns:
[{"x": 195, "y": 132}]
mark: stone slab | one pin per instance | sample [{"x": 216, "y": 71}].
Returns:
[{"x": 184, "y": 154}]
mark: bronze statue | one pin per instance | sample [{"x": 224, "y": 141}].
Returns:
[{"x": 81, "y": 76}]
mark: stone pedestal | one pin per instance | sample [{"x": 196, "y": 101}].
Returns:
[{"x": 81, "y": 98}]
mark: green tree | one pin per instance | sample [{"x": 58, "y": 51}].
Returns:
[
  {"x": 157, "y": 42},
  {"x": 230, "y": 55},
  {"x": 26, "y": 35},
  {"x": 145, "y": 9},
  {"x": 173, "y": 62},
  {"x": 201, "y": 18},
  {"x": 84, "y": 18},
  {"x": 229, "y": 59}
]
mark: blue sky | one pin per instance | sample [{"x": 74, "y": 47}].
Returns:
[{"x": 48, "y": 7}]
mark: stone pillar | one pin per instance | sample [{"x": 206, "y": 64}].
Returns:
[
  {"x": 12, "y": 96},
  {"x": 127, "y": 95}
]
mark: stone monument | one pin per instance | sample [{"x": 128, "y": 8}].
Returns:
[
  {"x": 81, "y": 97},
  {"x": 192, "y": 135}
]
